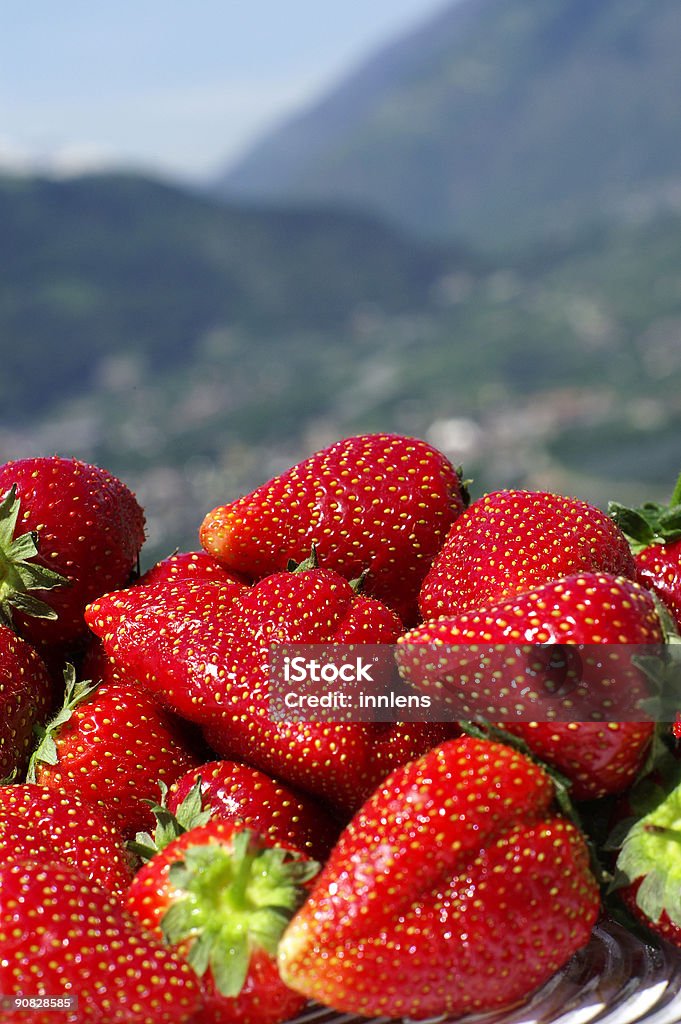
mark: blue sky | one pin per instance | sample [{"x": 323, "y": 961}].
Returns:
[{"x": 170, "y": 86}]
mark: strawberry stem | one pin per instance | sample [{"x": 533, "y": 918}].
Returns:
[{"x": 311, "y": 562}]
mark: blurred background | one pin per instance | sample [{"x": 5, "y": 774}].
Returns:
[{"x": 235, "y": 233}]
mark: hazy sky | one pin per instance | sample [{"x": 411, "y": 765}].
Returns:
[{"x": 170, "y": 85}]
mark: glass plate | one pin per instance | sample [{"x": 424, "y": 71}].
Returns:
[{"x": 616, "y": 979}]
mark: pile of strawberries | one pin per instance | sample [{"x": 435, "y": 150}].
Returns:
[{"x": 171, "y": 853}]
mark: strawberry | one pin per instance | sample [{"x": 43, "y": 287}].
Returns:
[
  {"x": 205, "y": 653},
  {"x": 487, "y": 664},
  {"x": 654, "y": 533},
  {"x": 190, "y": 565},
  {"x": 88, "y": 529},
  {"x": 512, "y": 541},
  {"x": 377, "y": 503},
  {"x": 246, "y": 797},
  {"x": 42, "y": 824},
  {"x": 26, "y": 694},
  {"x": 112, "y": 744},
  {"x": 648, "y": 869},
  {"x": 65, "y": 936},
  {"x": 599, "y": 758},
  {"x": 221, "y": 896},
  {"x": 455, "y": 889}
]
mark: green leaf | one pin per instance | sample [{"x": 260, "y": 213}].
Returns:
[
  {"x": 651, "y": 895},
  {"x": 190, "y": 812},
  {"x": 19, "y": 574},
  {"x": 634, "y": 524},
  {"x": 464, "y": 486},
  {"x": 651, "y": 853},
  {"x": 30, "y": 605},
  {"x": 143, "y": 846},
  {"x": 178, "y": 922},
  {"x": 9, "y": 515},
  {"x": 229, "y": 966},
  {"x": 75, "y": 693}
]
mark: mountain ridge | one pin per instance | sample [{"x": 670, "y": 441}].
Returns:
[{"x": 492, "y": 120}]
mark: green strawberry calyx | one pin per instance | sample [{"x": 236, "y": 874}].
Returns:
[
  {"x": 651, "y": 523},
  {"x": 651, "y": 854},
  {"x": 76, "y": 692},
  {"x": 464, "y": 486},
  {"x": 19, "y": 574},
  {"x": 189, "y": 814},
  {"x": 232, "y": 899}
]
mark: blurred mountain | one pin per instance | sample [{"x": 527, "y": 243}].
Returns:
[
  {"x": 497, "y": 120},
  {"x": 107, "y": 267}
]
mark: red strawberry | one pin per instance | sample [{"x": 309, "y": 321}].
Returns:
[
  {"x": 454, "y": 890},
  {"x": 654, "y": 533},
  {"x": 112, "y": 744},
  {"x": 145, "y": 628},
  {"x": 42, "y": 824},
  {"x": 648, "y": 870},
  {"x": 192, "y": 565},
  {"x": 221, "y": 896},
  {"x": 378, "y": 503},
  {"x": 599, "y": 758},
  {"x": 88, "y": 529},
  {"x": 65, "y": 936},
  {"x": 250, "y": 799},
  {"x": 486, "y": 664},
  {"x": 206, "y": 655},
  {"x": 510, "y": 542},
  {"x": 26, "y": 695}
]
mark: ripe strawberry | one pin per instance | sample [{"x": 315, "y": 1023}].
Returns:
[
  {"x": 510, "y": 542},
  {"x": 599, "y": 758},
  {"x": 455, "y": 889},
  {"x": 88, "y": 529},
  {"x": 248, "y": 798},
  {"x": 221, "y": 896},
  {"x": 192, "y": 565},
  {"x": 26, "y": 694},
  {"x": 487, "y": 664},
  {"x": 112, "y": 744},
  {"x": 63, "y": 935},
  {"x": 378, "y": 503},
  {"x": 654, "y": 533},
  {"x": 42, "y": 824},
  {"x": 206, "y": 655}
]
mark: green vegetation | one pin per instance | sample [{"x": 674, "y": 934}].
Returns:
[{"x": 197, "y": 350}]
